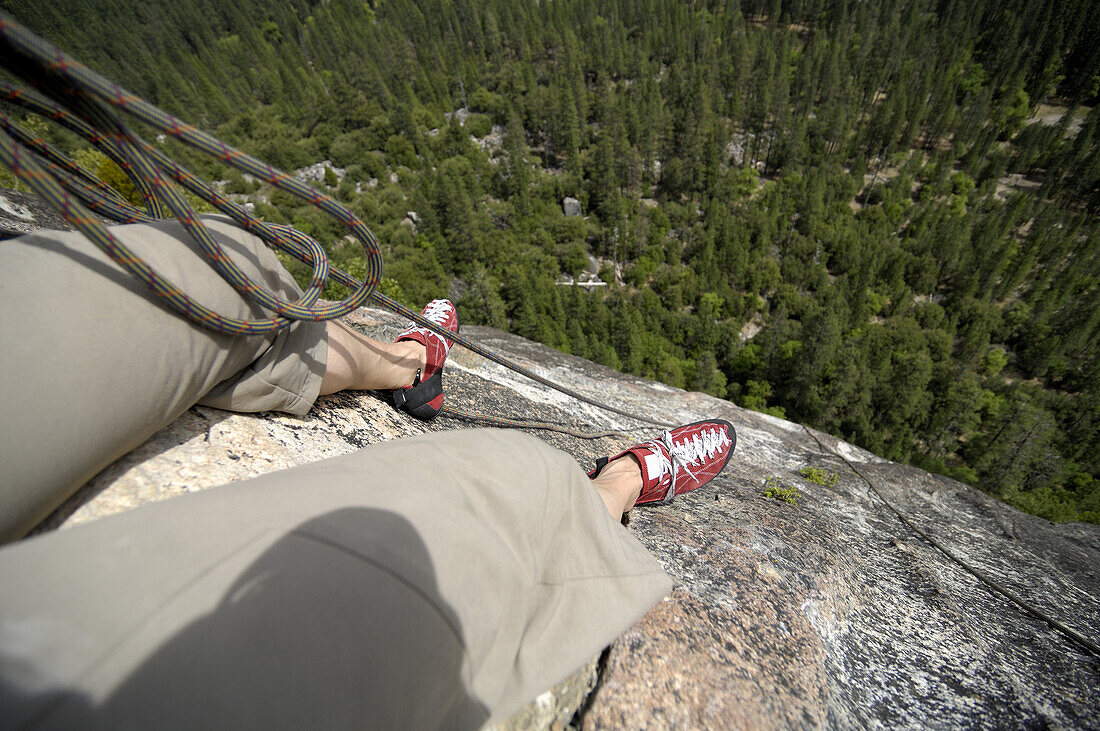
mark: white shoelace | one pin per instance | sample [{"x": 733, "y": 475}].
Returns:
[
  {"x": 694, "y": 451},
  {"x": 437, "y": 311}
]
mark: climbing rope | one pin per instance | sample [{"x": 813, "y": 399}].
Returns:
[
  {"x": 72, "y": 95},
  {"x": 977, "y": 573},
  {"x": 451, "y": 412}
]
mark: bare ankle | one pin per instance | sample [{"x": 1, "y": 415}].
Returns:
[
  {"x": 356, "y": 361},
  {"x": 619, "y": 484},
  {"x": 414, "y": 356}
]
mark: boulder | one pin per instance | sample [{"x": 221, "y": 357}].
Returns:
[
  {"x": 571, "y": 207},
  {"x": 316, "y": 172},
  {"x": 461, "y": 114}
]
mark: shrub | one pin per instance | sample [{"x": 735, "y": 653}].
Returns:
[
  {"x": 819, "y": 476},
  {"x": 774, "y": 488}
]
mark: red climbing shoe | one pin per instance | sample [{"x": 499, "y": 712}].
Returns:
[
  {"x": 424, "y": 398},
  {"x": 680, "y": 460}
]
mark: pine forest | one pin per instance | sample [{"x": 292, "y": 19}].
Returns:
[{"x": 875, "y": 217}]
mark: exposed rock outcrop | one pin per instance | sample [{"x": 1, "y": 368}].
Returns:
[
  {"x": 22, "y": 213},
  {"x": 315, "y": 173},
  {"x": 826, "y": 613}
]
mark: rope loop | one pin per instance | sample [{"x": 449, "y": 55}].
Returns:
[{"x": 86, "y": 103}]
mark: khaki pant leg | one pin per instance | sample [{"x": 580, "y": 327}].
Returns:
[
  {"x": 436, "y": 581},
  {"x": 92, "y": 365}
]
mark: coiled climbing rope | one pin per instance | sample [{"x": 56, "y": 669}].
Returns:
[{"x": 88, "y": 104}]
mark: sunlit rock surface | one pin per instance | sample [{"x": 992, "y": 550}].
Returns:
[
  {"x": 826, "y": 613},
  {"x": 22, "y": 213}
]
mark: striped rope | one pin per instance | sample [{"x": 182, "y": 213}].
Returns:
[
  {"x": 86, "y": 103},
  {"x": 58, "y": 160},
  {"x": 92, "y": 98},
  {"x": 41, "y": 106}
]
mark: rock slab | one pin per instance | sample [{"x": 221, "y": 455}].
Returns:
[{"x": 829, "y": 613}]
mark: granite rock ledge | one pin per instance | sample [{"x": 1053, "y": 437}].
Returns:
[{"x": 829, "y": 613}]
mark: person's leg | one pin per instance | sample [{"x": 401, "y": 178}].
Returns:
[
  {"x": 93, "y": 365},
  {"x": 358, "y": 362},
  {"x": 442, "y": 580}
]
